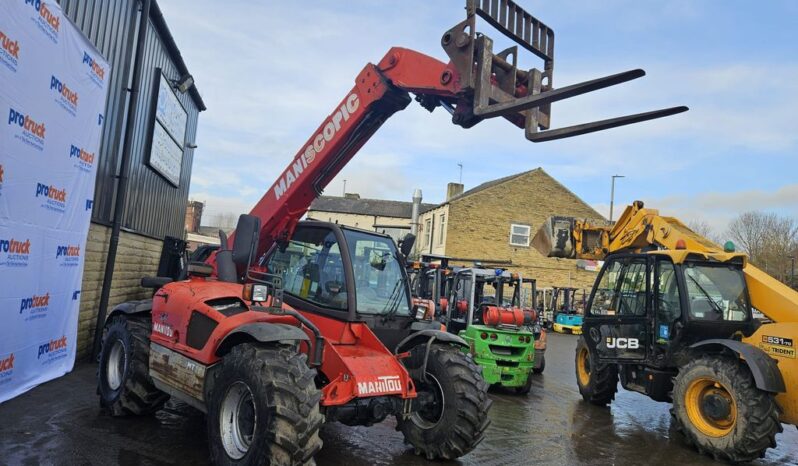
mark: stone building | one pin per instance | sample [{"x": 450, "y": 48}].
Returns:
[
  {"x": 389, "y": 217},
  {"x": 494, "y": 223}
]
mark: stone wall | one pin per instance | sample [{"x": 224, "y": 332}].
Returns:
[
  {"x": 479, "y": 227},
  {"x": 137, "y": 257}
]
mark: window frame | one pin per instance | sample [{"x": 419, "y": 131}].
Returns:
[
  {"x": 428, "y": 231},
  {"x": 528, "y": 234},
  {"x": 442, "y": 226}
]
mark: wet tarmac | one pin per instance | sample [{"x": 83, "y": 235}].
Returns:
[{"x": 59, "y": 423}]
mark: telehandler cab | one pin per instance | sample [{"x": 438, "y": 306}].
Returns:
[
  {"x": 671, "y": 317},
  {"x": 289, "y": 322}
]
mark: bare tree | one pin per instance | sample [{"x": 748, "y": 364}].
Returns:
[
  {"x": 770, "y": 241},
  {"x": 225, "y": 220},
  {"x": 750, "y": 231},
  {"x": 703, "y": 228}
]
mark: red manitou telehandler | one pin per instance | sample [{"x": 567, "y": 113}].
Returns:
[{"x": 291, "y": 323}]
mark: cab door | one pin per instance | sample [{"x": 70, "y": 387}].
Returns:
[{"x": 616, "y": 324}]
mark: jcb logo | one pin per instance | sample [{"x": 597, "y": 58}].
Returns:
[{"x": 623, "y": 343}]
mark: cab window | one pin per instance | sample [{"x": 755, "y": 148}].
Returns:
[
  {"x": 633, "y": 289},
  {"x": 311, "y": 268},
  {"x": 668, "y": 300},
  {"x": 716, "y": 292},
  {"x": 605, "y": 299}
]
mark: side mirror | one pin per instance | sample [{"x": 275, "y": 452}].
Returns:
[{"x": 406, "y": 244}]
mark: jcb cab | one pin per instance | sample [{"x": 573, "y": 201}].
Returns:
[{"x": 668, "y": 324}]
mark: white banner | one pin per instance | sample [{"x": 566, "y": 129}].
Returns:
[{"x": 53, "y": 89}]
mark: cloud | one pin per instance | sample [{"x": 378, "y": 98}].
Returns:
[
  {"x": 271, "y": 73},
  {"x": 718, "y": 208}
]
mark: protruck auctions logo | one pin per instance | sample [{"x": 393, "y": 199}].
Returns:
[
  {"x": 85, "y": 159},
  {"x": 96, "y": 72},
  {"x": 383, "y": 384},
  {"x": 31, "y": 132},
  {"x": 69, "y": 255},
  {"x": 36, "y": 305},
  {"x": 6, "y": 368},
  {"x": 67, "y": 97},
  {"x": 53, "y": 350},
  {"x": 47, "y": 21},
  {"x": 14, "y": 252},
  {"x": 327, "y": 133},
  {"x": 55, "y": 199},
  {"x": 9, "y": 51}
]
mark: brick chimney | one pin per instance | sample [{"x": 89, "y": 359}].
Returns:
[
  {"x": 193, "y": 216},
  {"x": 453, "y": 189}
]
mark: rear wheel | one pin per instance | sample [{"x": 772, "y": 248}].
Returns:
[
  {"x": 539, "y": 369},
  {"x": 597, "y": 383},
  {"x": 527, "y": 387},
  {"x": 455, "y": 419},
  {"x": 123, "y": 379},
  {"x": 718, "y": 408},
  {"x": 263, "y": 408}
]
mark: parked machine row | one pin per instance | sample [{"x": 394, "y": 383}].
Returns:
[{"x": 291, "y": 324}]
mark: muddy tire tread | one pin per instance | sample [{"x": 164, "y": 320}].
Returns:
[
  {"x": 603, "y": 381},
  {"x": 292, "y": 436},
  {"x": 139, "y": 396},
  {"x": 761, "y": 413},
  {"x": 472, "y": 416}
]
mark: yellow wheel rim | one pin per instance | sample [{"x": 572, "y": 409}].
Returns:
[
  {"x": 710, "y": 407},
  {"x": 583, "y": 367}
]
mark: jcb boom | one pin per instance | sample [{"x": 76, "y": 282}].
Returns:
[
  {"x": 672, "y": 305},
  {"x": 236, "y": 338}
]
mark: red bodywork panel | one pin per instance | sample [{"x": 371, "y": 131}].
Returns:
[{"x": 356, "y": 363}]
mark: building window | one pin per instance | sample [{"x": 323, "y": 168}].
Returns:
[
  {"x": 442, "y": 234},
  {"x": 519, "y": 235},
  {"x": 427, "y": 232}
]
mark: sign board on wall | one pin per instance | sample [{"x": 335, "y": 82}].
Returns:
[
  {"x": 53, "y": 89},
  {"x": 168, "y": 132}
]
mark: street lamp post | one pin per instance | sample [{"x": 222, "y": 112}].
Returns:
[{"x": 612, "y": 193}]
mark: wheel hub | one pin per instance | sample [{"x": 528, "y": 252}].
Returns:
[
  {"x": 238, "y": 420},
  {"x": 432, "y": 399},
  {"x": 710, "y": 407},
  {"x": 116, "y": 365},
  {"x": 716, "y": 406}
]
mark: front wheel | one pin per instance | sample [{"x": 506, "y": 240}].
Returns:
[
  {"x": 718, "y": 408},
  {"x": 455, "y": 419},
  {"x": 264, "y": 408},
  {"x": 597, "y": 383},
  {"x": 123, "y": 379}
]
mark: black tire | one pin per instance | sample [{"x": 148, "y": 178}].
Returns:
[
  {"x": 756, "y": 417},
  {"x": 527, "y": 386},
  {"x": 601, "y": 383},
  {"x": 542, "y": 367},
  {"x": 460, "y": 426},
  {"x": 123, "y": 379},
  {"x": 283, "y": 408}
]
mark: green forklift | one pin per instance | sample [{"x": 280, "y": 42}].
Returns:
[{"x": 484, "y": 309}]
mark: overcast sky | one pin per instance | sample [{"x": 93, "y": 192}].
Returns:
[{"x": 270, "y": 72}]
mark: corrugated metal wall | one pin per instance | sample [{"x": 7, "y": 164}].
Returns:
[{"x": 154, "y": 206}]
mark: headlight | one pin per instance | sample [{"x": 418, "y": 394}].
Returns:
[{"x": 255, "y": 293}]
